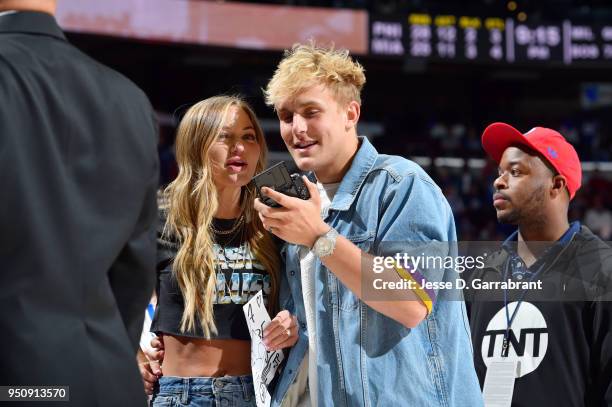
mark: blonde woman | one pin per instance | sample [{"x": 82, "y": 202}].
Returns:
[{"x": 214, "y": 255}]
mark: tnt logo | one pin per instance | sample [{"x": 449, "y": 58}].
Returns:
[
  {"x": 552, "y": 153},
  {"x": 527, "y": 341}
]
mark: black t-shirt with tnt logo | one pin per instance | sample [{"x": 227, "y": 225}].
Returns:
[{"x": 560, "y": 335}]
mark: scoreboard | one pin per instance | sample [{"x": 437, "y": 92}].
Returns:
[{"x": 489, "y": 39}]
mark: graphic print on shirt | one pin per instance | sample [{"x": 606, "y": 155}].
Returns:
[
  {"x": 238, "y": 278},
  {"x": 527, "y": 342}
]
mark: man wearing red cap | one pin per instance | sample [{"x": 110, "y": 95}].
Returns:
[{"x": 539, "y": 310}]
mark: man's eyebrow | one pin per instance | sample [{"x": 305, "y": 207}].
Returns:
[
  {"x": 511, "y": 163},
  {"x": 305, "y": 103},
  {"x": 309, "y": 103}
]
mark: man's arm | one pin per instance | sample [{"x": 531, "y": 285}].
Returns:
[
  {"x": 601, "y": 342},
  {"x": 132, "y": 276},
  {"x": 353, "y": 267},
  {"x": 602, "y": 350},
  {"x": 299, "y": 222}
]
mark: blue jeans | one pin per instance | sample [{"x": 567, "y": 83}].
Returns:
[{"x": 226, "y": 391}]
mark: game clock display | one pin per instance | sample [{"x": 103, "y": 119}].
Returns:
[{"x": 456, "y": 38}]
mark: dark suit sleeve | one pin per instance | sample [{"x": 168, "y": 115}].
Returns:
[
  {"x": 6, "y": 93},
  {"x": 132, "y": 276}
]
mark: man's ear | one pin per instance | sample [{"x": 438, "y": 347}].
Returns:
[
  {"x": 559, "y": 185},
  {"x": 353, "y": 110}
]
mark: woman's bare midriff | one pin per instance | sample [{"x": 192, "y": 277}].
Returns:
[{"x": 191, "y": 357}]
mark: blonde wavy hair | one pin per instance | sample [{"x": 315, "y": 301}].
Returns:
[
  {"x": 305, "y": 65},
  {"x": 192, "y": 203}
]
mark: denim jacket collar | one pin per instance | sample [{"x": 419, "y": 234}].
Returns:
[{"x": 362, "y": 163}]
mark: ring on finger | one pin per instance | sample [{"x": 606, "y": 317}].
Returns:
[{"x": 288, "y": 332}]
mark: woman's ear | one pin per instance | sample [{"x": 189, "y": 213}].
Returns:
[{"x": 353, "y": 110}]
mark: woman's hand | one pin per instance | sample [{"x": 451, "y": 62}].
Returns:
[
  {"x": 281, "y": 332},
  {"x": 149, "y": 362}
]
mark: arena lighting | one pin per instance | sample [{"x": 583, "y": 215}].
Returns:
[{"x": 228, "y": 24}]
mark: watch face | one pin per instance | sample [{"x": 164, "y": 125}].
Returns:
[{"x": 326, "y": 245}]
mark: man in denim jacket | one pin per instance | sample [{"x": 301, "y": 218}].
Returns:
[{"x": 406, "y": 347}]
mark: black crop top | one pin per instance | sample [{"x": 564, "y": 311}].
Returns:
[{"x": 239, "y": 277}]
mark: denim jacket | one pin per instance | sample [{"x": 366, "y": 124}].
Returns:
[{"x": 363, "y": 357}]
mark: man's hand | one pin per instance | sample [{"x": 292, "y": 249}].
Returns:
[
  {"x": 298, "y": 221},
  {"x": 281, "y": 332}
]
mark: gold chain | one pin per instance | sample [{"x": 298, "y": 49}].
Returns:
[{"x": 238, "y": 223}]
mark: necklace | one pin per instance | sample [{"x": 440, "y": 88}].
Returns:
[
  {"x": 235, "y": 227},
  {"x": 239, "y": 255}
]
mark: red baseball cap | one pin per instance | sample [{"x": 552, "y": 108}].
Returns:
[{"x": 551, "y": 145}]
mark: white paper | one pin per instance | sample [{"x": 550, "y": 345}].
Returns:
[
  {"x": 263, "y": 363},
  {"x": 146, "y": 335},
  {"x": 499, "y": 383}
]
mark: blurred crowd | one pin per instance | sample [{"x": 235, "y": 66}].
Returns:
[
  {"x": 469, "y": 190},
  {"x": 456, "y": 139}
]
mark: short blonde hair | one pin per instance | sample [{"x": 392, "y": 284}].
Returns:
[{"x": 306, "y": 65}]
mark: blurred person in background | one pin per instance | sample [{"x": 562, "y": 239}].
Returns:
[
  {"x": 213, "y": 256},
  {"x": 78, "y": 154},
  {"x": 558, "y": 336},
  {"x": 598, "y": 218}
]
